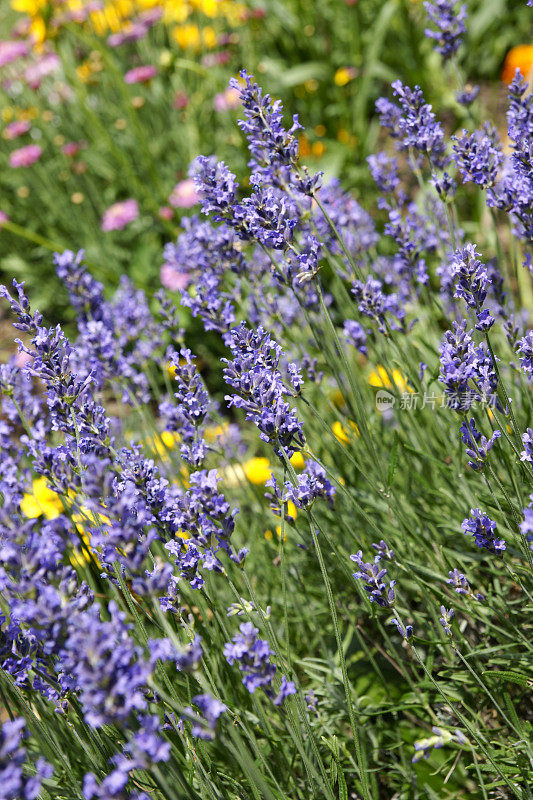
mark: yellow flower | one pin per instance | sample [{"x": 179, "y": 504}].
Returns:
[
  {"x": 380, "y": 379},
  {"x": 209, "y": 37},
  {"x": 187, "y": 36},
  {"x": 37, "y": 30},
  {"x": 297, "y": 460},
  {"x": 257, "y": 469},
  {"x": 212, "y": 432},
  {"x": 269, "y": 535},
  {"x": 42, "y": 501},
  {"x": 344, "y": 75},
  {"x": 345, "y": 434},
  {"x": 163, "y": 443},
  {"x": 30, "y": 7}
]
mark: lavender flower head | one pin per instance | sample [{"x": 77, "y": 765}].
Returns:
[
  {"x": 372, "y": 576},
  {"x": 446, "y": 619},
  {"x": 483, "y": 529},
  {"x": 253, "y": 657},
  {"x": 311, "y": 484},
  {"x": 261, "y": 389},
  {"x": 466, "y": 371},
  {"x": 186, "y": 417},
  {"x": 211, "y": 709},
  {"x": 214, "y": 183},
  {"x": 15, "y": 783},
  {"x": 449, "y": 23},
  {"x": 472, "y": 282},
  {"x": 460, "y": 585},
  {"x": 355, "y": 334},
  {"x": 477, "y": 446},
  {"x": 440, "y": 738},
  {"x": 413, "y": 123},
  {"x": 524, "y": 347},
  {"x": 527, "y": 452},
  {"x": 478, "y": 156},
  {"x": 274, "y": 149}
]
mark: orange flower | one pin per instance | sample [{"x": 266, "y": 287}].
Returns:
[{"x": 519, "y": 57}]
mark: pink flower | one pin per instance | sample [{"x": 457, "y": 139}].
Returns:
[
  {"x": 11, "y": 50},
  {"x": 131, "y": 34},
  {"x": 22, "y": 358},
  {"x": 227, "y": 99},
  {"x": 184, "y": 195},
  {"x": 25, "y": 156},
  {"x": 151, "y": 16},
  {"x": 46, "y": 65},
  {"x": 173, "y": 280},
  {"x": 119, "y": 215},
  {"x": 181, "y": 100},
  {"x": 73, "y": 148},
  {"x": 16, "y": 129},
  {"x": 140, "y": 74},
  {"x": 3, "y": 218},
  {"x": 214, "y": 59},
  {"x": 165, "y": 212}
]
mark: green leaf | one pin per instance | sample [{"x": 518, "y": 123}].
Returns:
[
  {"x": 508, "y": 675},
  {"x": 393, "y": 460}
]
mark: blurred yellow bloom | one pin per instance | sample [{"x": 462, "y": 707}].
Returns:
[
  {"x": 297, "y": 460},
  {"x": 209, "y": 37},
  {"x": 379, "y": 378},
  {"x": 519, "y": 57},
  {"x": 257, "y": 469},
  {"x": 318, "y": 149},
  {"x": 42, "y": 501},
  {"x": 345, "y": 434},
  {"x": 187, "y": 36},
  {"x": 85, "y": 71},
  {"x": 345, "y": 137},
  {"x": 344, "y": 75},
  {"x": 37, "y": 30},
  {"x": 163, "y": 443},
  {"x": 303, "y": 145},
  {"x": 30, "y": 7},
  {"x": 212, "y": 432}
]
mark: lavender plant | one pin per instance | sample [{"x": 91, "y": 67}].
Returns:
[{"x": 374, "y": 402}]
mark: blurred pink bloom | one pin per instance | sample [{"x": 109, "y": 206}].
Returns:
[
  {"x": 21, "y": 359},
  {"x": 181, "y": 100},
  {"x": 16, "y": 129},
  {"x": 25, "y": 156},
  {"x": 137, "y": 29},
  {"x": 78, "y": 14},
  {"x": 119, "y": 215},
  {"x": 46, "y": 65},
  {"x": 11, "y": 50},
  {"x": 172, "y": 279},
  {"x": 227, "y": 99},
  {"x": 151, "y": 16},
  {"x": 131, "y": 34},
  {"x": 184, "y": 195},
  {"x": 3, "y": 218},
  {"x": 213, "y": 59},
  {"x": 73, "y": 148},
  {"x": 165, "y": 212},
  {"x": 140, "y": 74}
]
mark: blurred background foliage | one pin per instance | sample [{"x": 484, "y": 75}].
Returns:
[{"x": 328, "y": 61}]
